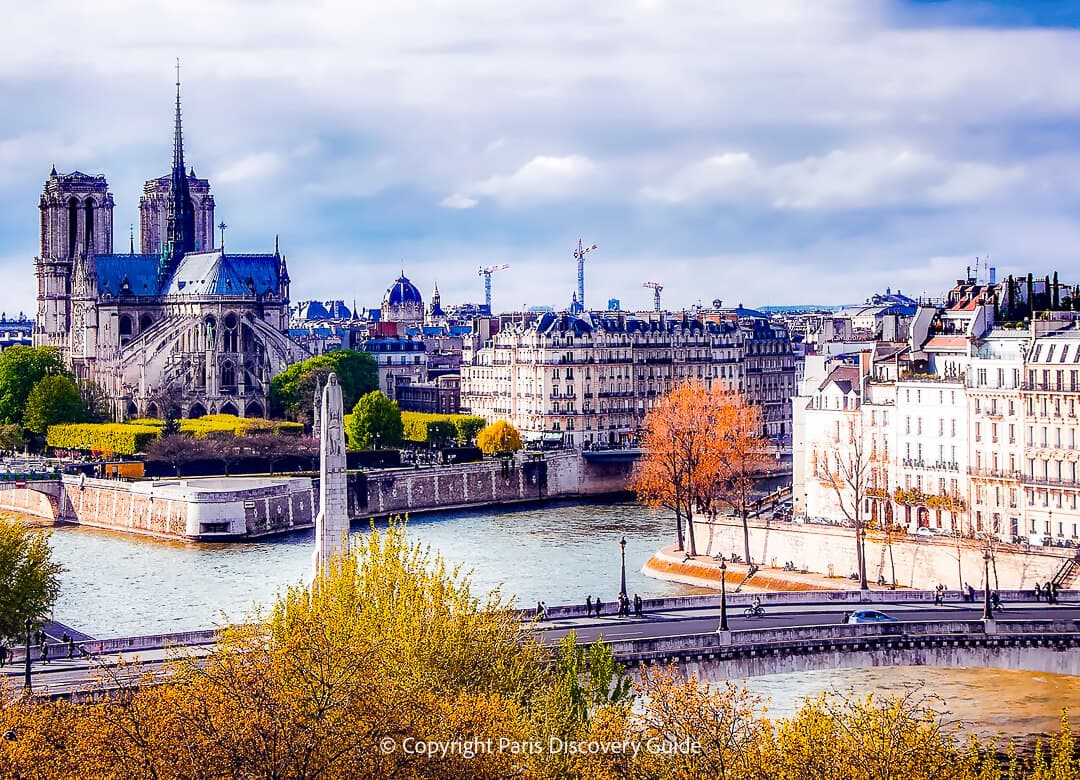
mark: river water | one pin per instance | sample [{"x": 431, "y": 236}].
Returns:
[{"x": 116, "y": 585}]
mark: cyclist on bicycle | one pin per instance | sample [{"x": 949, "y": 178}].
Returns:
[{"x": 756, "y": 603}]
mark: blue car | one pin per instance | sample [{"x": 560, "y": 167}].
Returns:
[{"x": 869, "y": 616}]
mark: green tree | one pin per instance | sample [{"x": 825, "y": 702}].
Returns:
[
  {"x": 53, "y": 400},
  {"x": 11, "y": 437},
  {"x": 95, "y": 402},
  {"x": 20, "y": 369},
  {"x": 29, "y": 578},
  {"x": 292, "y": 391},
  {"x": 440, "y": 433},
  {"x": 499, "y": 438},
  {"x": 375, "y": 421}
]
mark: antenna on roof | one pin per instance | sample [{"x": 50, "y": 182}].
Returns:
[{"x": 131, "y": 227}]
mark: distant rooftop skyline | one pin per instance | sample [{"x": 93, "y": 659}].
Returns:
[{"x": 771, "y": 153}]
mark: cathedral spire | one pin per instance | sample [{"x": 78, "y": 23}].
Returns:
[
  {"x": 180, "y": 213},
  {"x": 178, "y": 132}
]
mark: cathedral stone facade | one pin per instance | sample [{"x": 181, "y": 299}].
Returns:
[{"x": 180, "y": 324}]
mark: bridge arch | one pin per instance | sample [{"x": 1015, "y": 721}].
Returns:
[{"x": 40, "y": 499}]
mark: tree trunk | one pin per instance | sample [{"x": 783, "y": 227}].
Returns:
[
  {"x": 861, "y": 555},
  {"x": 690, "y": 531},
  {"x": 892, "y": 565},
  {"x": 746, "y": 535},
  {"x": 678, "y": 531}
]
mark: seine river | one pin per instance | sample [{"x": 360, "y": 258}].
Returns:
[{"x": 117, "y": 585}]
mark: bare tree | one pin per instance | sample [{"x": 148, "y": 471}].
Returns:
[
  {"x": 847, "y": 469},
  {"x": 178, "y": 450}
]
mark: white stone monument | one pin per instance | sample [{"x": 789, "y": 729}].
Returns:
[{"x": 332, "y": 522}]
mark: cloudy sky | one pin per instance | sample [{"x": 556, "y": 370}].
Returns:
[{"x": 766, "y": 152}]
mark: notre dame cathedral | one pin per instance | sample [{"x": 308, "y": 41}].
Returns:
[{"x": 181, "y": 323}]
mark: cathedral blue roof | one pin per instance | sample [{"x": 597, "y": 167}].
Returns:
[
  {"x": 215, "y": 273},
  {"x": 198, "y": 274},
  {"x": 126, "y": 274},
  {"x": 402, "y": 291}
]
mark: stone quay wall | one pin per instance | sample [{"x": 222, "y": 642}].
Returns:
[
  {"x": 490, "y": 482},
  {"x": 221, "y": 508},
  {"x": 918, "y": 562},
  {"x": 195, "y": 509}
]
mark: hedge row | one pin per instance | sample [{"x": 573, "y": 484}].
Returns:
[
  {"x": 113, "y": 438},
  {"x": 424, "y": 428},
  {"x": 219, "y": 424}
]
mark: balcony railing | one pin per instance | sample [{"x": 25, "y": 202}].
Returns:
[
  {"x": 1067, "y": 483},
  {"x": 1015, "y": 476},
  {"x": 1048, "y": 387}
]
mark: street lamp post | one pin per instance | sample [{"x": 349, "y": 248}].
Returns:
[
  {"x": 723, "y": 596},
  {"x": 987, "y": 615},
  {"x": 622, "y": 581},
  {"x": 27, "y": 684}
]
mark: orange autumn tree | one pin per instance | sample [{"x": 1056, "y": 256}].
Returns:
[
  {"x": 681, "y": 448},
  {"x": 740, "y": 456}
]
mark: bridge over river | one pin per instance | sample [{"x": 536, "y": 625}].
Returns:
[{"x": 798, "y": 632}]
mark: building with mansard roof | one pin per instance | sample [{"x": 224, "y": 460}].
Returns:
[
  {"x": 589, "y": 380},
  {"x": 181, "y": 324}
]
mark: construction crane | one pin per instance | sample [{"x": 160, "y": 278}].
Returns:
[
  {"x": 486, "y": 273},
  {"x": 656, "y": 288},
  {"x": 579, "y": 254}
]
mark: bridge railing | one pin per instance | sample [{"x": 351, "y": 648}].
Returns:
[
  {"x": 127, "y": 644},
  {"x": 797, "y": 598},
  {"x": 690, "y": 644}
]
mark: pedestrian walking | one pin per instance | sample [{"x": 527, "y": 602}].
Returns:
[
  {"x": 995, "y": 601},
  {"x": 599, "y": 605},
  {"x": 543, "y": 611},
  {"x": 937, "y": 596},
  {"x": 1038, "y": 592},
  {"x": 639, "y": 605},
  {"x": 1052, "y": 590},
  {"x": 970, "y": 593},
  {"x": 588, "y": 606},
  {"x": 44, "y": 649},
  {"x": 539, "y": 610},
  {"x": 3, "y": 655},
  {"x": 71, "y": 647}
]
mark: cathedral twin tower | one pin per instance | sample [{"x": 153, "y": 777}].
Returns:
[{"x": 178, "y": 323}]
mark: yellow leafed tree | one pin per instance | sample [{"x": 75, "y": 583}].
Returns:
[{"x": 499, "y": 437}]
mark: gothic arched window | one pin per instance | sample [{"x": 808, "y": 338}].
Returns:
[
  {"x": 88, "y": 229},
  {"x": 228, "y": 375},
  {"x": 73, "y": 226}
]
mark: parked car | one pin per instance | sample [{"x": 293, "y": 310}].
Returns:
[
  {"x": 926, "y": 532},
  {"x": 869, "y": 616}
]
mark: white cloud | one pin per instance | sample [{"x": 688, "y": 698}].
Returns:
[
  {"x": 881, "y": 175},
  {"x": 541, "y": 178},
  {"x": 721, "y": 177},
  {"x": 458, "y": 201},
  {"x": 253, "y": 166},
  {"x": 858, "y": 177}
]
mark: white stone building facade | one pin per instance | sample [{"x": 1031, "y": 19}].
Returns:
[{"x": 588, "y": 380}]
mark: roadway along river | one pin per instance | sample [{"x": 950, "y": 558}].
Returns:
[{"x": 118, "y": 585}]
